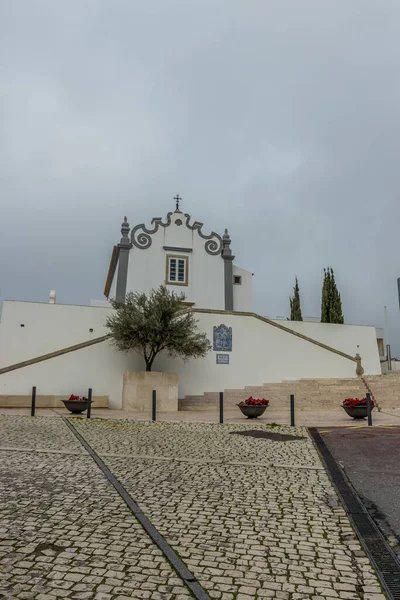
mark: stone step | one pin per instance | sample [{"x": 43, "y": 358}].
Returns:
[
  {"x": 386, "y": 389},
  {"x": 309, "y": 393}
]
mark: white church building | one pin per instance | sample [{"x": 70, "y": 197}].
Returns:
[
  {"x": 63, "y": 349},
  {"x": 177, "y": 252}
]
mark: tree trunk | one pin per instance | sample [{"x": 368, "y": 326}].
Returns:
[{"x": 149, "y": 362}]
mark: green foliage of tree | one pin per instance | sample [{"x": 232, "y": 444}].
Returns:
[
  {"x": 331, "y": 303},
  {"x": 325, "y": 297},
  {"x": 295, "y": 308},
  {"x": 157, "y": 322}
]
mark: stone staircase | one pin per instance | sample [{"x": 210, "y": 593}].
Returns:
[
  {"x": 385, "y": 389},
  {"x": 310, "y": 394}
]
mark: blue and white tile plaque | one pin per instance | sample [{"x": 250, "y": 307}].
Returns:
[{"x": 222, "y": 338}]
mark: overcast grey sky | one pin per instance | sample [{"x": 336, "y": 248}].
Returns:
[{"x": 278, "y": 119}]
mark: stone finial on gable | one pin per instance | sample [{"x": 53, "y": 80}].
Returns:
[
  {"x": 226, "y": 250},
  {"x": 125, "y": 232}
]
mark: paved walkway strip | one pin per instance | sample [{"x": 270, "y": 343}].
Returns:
[
  {"x": 379, "y": 552},
  {"x": 190, "y": 580}
]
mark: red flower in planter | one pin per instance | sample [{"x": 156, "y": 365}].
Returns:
[
  {"x": 74, "y": 398},
  {"x": 353, "y": 402},
  {"x": 255, "y": 402}
]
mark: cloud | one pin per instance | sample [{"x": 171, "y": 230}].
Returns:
[{"x": 279, "y": 120}]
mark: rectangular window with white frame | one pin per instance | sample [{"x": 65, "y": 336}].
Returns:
[{"x": 177, "y": 270}]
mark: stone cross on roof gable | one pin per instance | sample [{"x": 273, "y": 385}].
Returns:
[{"x": 177, "y": 199}]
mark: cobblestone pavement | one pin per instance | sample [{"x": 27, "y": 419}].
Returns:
[
  {"x": 64, "y": 530},
  {"x": 197, "y": 442},
  {"x": 251, "y": 518},
  {"x": 39, "y": 433}
]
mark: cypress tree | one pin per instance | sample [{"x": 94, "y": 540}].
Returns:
[
  {"x": 295, "y": 308},
  {"x": 331, "y": 303},
  {"x": 325, "y": 297},
  {"x": 336, "y": 311}
]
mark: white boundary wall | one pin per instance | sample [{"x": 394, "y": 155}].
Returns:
[
  {"x": 260, "y": 353},
  {"x": 51, "y": 327}
]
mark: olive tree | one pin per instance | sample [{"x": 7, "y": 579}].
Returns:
[{"x": 154, "y": 323}]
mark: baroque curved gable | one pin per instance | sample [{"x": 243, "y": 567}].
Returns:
[{"x": 141, "y": 236}]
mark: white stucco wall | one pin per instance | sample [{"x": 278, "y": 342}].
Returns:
[
  {"x": 395, "y": 365},
  {"x": 261, "y": 353},
  {"x": 205, "y": 288},
  {"x": 99, "y": 303},
  {"x": 347, "y": 338},
  {"x": 243, "y": 294},
  {"x": 147, "y": 267},
  {"x": 50, "y": 327}
]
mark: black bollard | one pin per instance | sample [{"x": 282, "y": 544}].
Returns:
[
  {"x": 89, "y": 406},
  {"x": 33, "y": 403},
  {"x": 369, "y": 409},
  {"x": 292, "y": 410},
  {"x": 154, "y": 406},
  {"x": 221, "y": 407}
]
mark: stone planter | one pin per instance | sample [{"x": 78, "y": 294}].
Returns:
[
  {"x": 76, "y": 406},
  {"x": 138, "y": 387},
  {"x": 252, "y": 412},
  {"x": 357, "y": 412}
]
